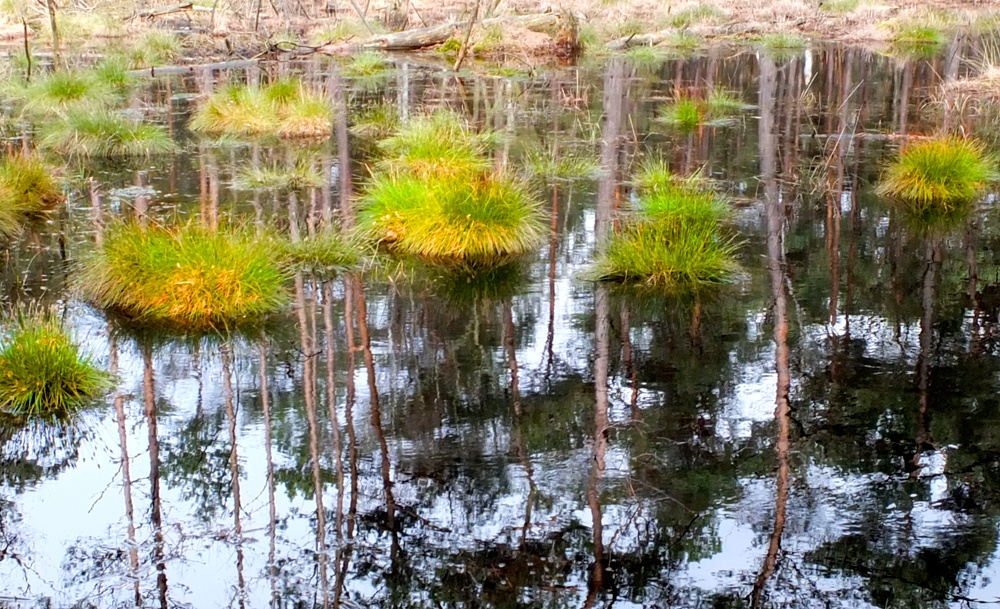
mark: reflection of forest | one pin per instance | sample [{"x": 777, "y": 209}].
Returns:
[{"x": 825, "y": 432}]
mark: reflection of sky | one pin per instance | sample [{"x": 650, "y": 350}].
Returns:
[{"x": 825, "y": 503}]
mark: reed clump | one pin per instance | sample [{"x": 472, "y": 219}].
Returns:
[
  {"x": 673, "y": 239},
  {"x": 285, "y": 108},
  {"x": 939, "y": 177},
  {"x": 28, "y": 187},
  {"x": 43, "y": 372},
  {"x": 105, "y": 134},
  {"x": 188, "y": 276}
]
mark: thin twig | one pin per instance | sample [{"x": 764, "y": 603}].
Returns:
[{"x": 468, "y": 34}]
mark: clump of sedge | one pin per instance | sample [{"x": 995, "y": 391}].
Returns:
[
  {"x": 189, "y": 276},
  {"x": 44, "y": 374}
]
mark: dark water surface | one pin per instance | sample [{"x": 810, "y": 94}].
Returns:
[{"x": 823, "y": 433}]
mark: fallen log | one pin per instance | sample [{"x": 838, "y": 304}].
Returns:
[
  {"x": 640, "y": 40},
  {"x": 157, "y": 11},
  {"x": 222, "y": 65},
  {"x": 436, "y": 34}
]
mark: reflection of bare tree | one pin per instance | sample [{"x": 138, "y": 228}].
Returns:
[
  {"x": 265, "y": 400},
  {"x": 376, "y": 414},
  {"x": 234, "y": 468},
  {"x": 602, "y": 348},
  {"x": 614, "y": 96},
  {"x": 922, "y": 440},
  {"x": 522, "y": 453},
  {"x": 774, "y": 210},
  {"x": 344, "y": 551},
  {"x": 331, "y": 400},
  {"x": 149, "y": 393},
  {"x": 309, "y": 392},
  {"x": 119, "y": 400}
]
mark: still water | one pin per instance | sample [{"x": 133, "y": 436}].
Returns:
[{"x": 825, "y": 432}]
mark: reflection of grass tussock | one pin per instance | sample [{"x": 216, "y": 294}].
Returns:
[
  {"x": 938, "y": 177},
  {"x": 441, "y": 142},
  {"x": 325, "y": 254},
  {"x": 377, "y": 121},
  {"x": 673, "y": 239},
  {"x": 43, "y": 372},
  {"x": 188, "y": 276},
  {"x": 105, "y": 134},
  {"x": 464, "y": 216},
  {"x": 277, "y": 177},
  {"x": 27, "y": 188},
  {"x": 284, "y": 108}
]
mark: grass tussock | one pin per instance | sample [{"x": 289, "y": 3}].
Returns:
[
  {"x": 28, "y": 187},
  {"x": 284, "y": 108},
  {"x": 366, "y": 64},
  {"x": 105, "y": 134},
  {"x": 780, "y": 45},
  {"x": 687, "y": 113},
  {"x": 188, "y": 276},
  {"x": 917, "y": 39},
  {"x": 694, "y": 15},
  {"x": 674, "y": 239},
  {"x": 939, "y": 177},
  {"x": 58, "y": 93},
  {"x": 436, "y": 144},
  {"x": 44, "y": 374},
  {"x": 474, "y": 217}
]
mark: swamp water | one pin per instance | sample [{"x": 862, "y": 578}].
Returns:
[{"x": 823, "y": 432}]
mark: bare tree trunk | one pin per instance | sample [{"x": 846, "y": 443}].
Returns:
[{"x": 56, "y": 61}]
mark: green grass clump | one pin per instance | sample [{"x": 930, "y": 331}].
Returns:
[
  {"x": 684, "y": 114},
  {"x": 43, "y": 372},
  {"x": 113, "y": 71},
  {"x": 840, "y": 6},
  {"x": 673, "y": 240},
  {"x": 475, "y": 217},
  {"x": 155, "y": 48},
  {"x": 687, "y": 114},
  {"x": 366, "y": 63},
  {"x": 323, "y": 255},
  {"x": 917, "y": 39},
  {"x": 939, "y": 177},
  {"x": 344, "y": 29},
  {"x": 780, "y": 45},
  {"x": 701, "y": 13},
  {"x": 61, "y": 92},
  {"x": 284, "y": 108},
  {"x": 105, "y": 134},
  {"x": 441, "y": 142},
  {"x": 27, "y": 187},
  {"x": 188, "y": 276}
]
